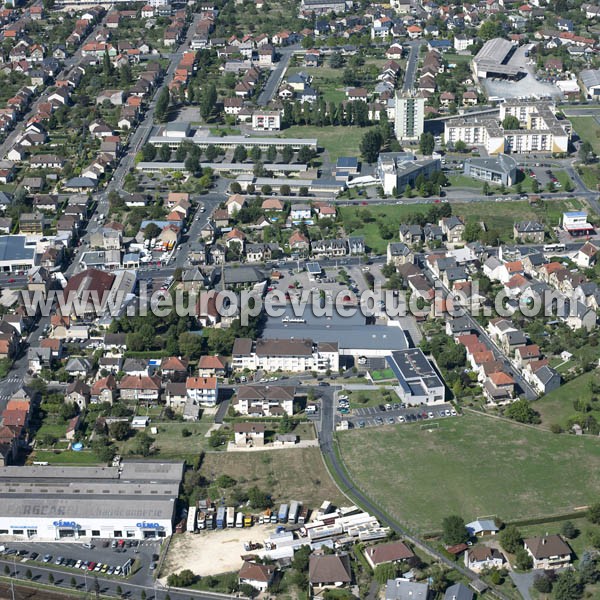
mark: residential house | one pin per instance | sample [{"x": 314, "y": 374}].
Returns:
[
  {"x": 530, "y": 232},
  {"x": 203, "y": 390},
  {"x": 482, "y": 527},
  {"x": 256, "y": 575},
  {"x": 328, "y": 571},
  {"x": 140, "y": 388},
  {"x": 104, "y": 390},
  {"x": 453, "y": 228},
  {"x": 249, "y": 435},
  {"x": 265, "y": 401},
  {"x": 499, "y": 388},
  {"x": 586, "y": 256},
  {"x": 480, "y": 557},
  {"x": 78, "y": 393},
  {"x": 78, "y": 367},
  {"x": 548, "y": 552},
  {"x": 391, "y": 552}
]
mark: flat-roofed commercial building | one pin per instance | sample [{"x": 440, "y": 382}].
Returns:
[
  {"x": 136, "y": 500},
  {"x": 16, "y": 254},
  {"x": 419, "y": 381}
]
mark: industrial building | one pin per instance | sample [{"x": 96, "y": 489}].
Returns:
[
  {"x": 396, "y": 170},
  {"x": 409, "y": 118},
  {"x": 501, "y": 169},
  {"x": 136, "y": 500},
  {"x": 16, "y": 254},
  {"x": 590, "y": 83},
  {"x": 419, "y": 381},
  {"x": 493, "y": 60}
]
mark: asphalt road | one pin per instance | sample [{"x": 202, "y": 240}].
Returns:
[
  {"x": 276, "y": 75},
  {"x": 411, "y": 65}
]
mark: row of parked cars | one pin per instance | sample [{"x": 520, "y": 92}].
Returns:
[{"x": 411, "y": 417}]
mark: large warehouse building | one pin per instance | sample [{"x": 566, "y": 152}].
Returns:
[{"x": 136, "y": 500}]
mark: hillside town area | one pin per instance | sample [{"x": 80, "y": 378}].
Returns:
[{"x": 300, "y": 300}]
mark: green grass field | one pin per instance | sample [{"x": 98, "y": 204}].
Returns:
[
  {"x": 68, "y": 457},
  {"x": 338, "y": 141},
  {"x": 499, "y": 215},
  {"x": 557, "y": 406},
  {"x": 473, "y": 466},
  {"x": 588, "y": 129}
]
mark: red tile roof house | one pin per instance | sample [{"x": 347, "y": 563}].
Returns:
[
  {"x": 212, "y": 366},
  {"x": 142, "y": 388},
  {"x": 175, "y": 368},
  {"x": 394, "y": 552}
]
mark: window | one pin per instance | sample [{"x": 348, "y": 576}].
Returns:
[
  {"x": 17, "y": 532},
  {"x": 95, "y": 533},
  {"x": 117, "y": 533}
]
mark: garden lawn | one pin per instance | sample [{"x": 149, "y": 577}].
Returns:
[
  {"x": 338, "y": 141},
  {"x": 473, "y": 466},
  {"x": 557, "y": 406},
  {"x": 588, "y": 130},
  {"x": 68, "y": 457}
]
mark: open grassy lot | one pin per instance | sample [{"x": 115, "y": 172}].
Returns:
[
  {"x": 68, "y": 457},
  {"x": 338, "y": 141},
  {"x": 374, "y": 397},
  {"x": 172, "y": 441},
  {"x": 557, "y": 406},
  {"x": 587, "y": 129},
  {"x": 473, "y": 466},
  {"x": 498, "y": 215},
  {"x": 295, "y": 474}
]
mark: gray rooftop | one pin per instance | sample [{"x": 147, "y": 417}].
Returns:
[{"x": 13, "y": 248}]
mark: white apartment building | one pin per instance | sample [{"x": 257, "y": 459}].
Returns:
[
  {"x": 539, "y": 131},
  {"x": 291, "y": 355},
  {"x": 266, "y": 120},
  {"x": 265, "y": 400},
  {"x": 410, "y": 117}
]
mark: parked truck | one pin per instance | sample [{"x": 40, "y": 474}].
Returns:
[
  {"x": 230, "y": 516},
  {"x": 239, "y": 521},
  {"x": 221, "y": 522},
  {"x": 247, "y": 520},
  {"x": 191, "y": 520},
  {"x": 294, "y": 511},
  {"x": 303, "y": 516},
  {"x": 282, "y": 515}
]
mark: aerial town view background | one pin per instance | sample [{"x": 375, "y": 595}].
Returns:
[{"x": 300, "y": 299}]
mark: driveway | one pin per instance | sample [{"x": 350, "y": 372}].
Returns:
[{"x": 524, "y": 582}]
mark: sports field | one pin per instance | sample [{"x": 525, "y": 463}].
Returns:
[{"x": 473, "y": 466}]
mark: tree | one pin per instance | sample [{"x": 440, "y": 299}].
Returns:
[
  {"x": 240, "y": 154},
  {"x": 287, "y": 154},
  {"x": 50, "y": 578},
  {"x": 164, "y": 153},
  {"x": 370, "y": 145},
  {"x": 523, "y": 560},
  {"x": 285, "y": 190},
  {"x": 427, "y": 143},
  {"x": 569, "y": 530},
  {"x": 585, "y": 152},
  {"x": 143, "y": 595},
  {"x": 542, "y": 584},
  {"x": 301, "y": 557},
  {"x": 248, "y": 591},
  {"x": 510, "y": 122},
  {"x": 190, "y": 345},
  {"x": 521, "y": 411},
  {"x": 162, "y": 105},
  {"x": 285, "y": 424},
  {"x": 148, "y": 152},
  {"x": 73, "y": 582},
  {"x": 28, "y": 574},
  {"x": 259, "y": 499},
  {"x": 535, "y": 186},
  {"x": 567, "y": 586},
  {"x": 192, "y": 164},
  {"x": 336, "y": 61},
  {"x": 472, "y": 231},
  {"x": 271, "y": 155},
  {"x": 460, "y": 146},
  {"x": 593, "y": 513},
  {"x": 305, "y": 154},
  {"x": 486, "y": 189},
  {"x": 510, "y": 539},
  {"x": 120, "y": 430},
  {"x": 255, "y": 154},
  {"x": 454, "y": 530},
  {"x": 208, "y": 101},
  {"x": 303, "y": 191},
  {"x": 152, "y": 231},
  {"x": 184, "y": 578},
  {"x": 211, "y": 153},
  {"x": 235, "y": 187}
]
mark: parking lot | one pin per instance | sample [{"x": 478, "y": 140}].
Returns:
[
  {"x": 100, "y": 559},
  {"x": 392, "y": 414}
]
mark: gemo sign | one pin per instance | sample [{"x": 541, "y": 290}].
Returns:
[
  {"x": 66, "y": 524},
  {"x": 144, "y": 525}
]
